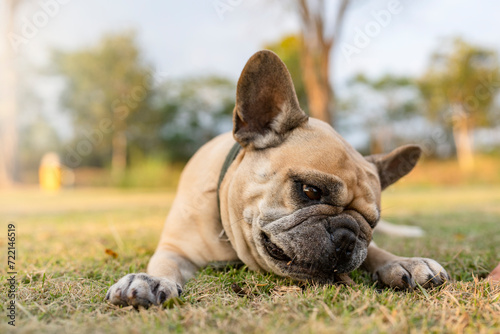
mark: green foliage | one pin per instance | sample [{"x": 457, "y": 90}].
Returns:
[
  {"x": 398, "y": 95},
  {"x": 289, "y": 49},
  {"x": 108, "y": 81},
  {"x": 464, "y": 75},
  {"x": 184, "y": 115},
  {"x": 386, "y": 82},
  {"x": 38, "y": 139},
  {"x": 150, "y": 172}
]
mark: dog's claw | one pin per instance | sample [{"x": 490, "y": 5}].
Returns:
[
  {"x": 142, "y": 290},
  {"x": 408, "y": 281},
  {"x": 162, "y": 297},
  {"x": 406, "y": 273},
  {"x": 435, "y": 280}
]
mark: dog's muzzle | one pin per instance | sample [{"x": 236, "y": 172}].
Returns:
[{"x": 315, "y": 249}]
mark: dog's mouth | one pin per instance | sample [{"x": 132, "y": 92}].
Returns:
[
  {"x": 286, "y": 266},
  {"x": 319, "y": 265},
  {"x": 273, "y": 250}
]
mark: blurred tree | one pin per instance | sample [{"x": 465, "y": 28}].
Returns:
[
  {"x": 289, "y": 49},
  {"x": 106, "y": 84},
  {"x": 393, "y": 99},
  {"x": 459, "y": 89},
  {"x": 185, "y": 114},
  {"x": 8, "y": 99},
  {"x": 321, "y": 25},
  {"x": 39, "y": 137}
]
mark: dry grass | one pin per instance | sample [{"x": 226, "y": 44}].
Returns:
[{"x": 64, "y": 270}]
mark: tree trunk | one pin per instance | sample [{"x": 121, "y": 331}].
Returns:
[
  {"x": 318, "y": 89},
  {"x": 318, "y": 40},
  {"x": 119, "y": 153},
  {"x": 8, "y": 104},
  {"x": 463, "y": 142},
  {"x": 376, "y": 144}
]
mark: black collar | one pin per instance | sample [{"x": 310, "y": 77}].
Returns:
[{"x": 233, "y": 153}]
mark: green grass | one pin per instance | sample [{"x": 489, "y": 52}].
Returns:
[{"x": 64, "y": 271}]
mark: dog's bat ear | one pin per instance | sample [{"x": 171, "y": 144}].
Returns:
[
  {"x": 393, "y": 166},
  {"x": 266, "y": 108}
]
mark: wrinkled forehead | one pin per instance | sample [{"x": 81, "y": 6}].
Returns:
[
  {"x": 317, "y": 146},
  {"x": 315, "y": 154}
]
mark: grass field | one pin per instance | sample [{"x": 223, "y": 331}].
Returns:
[{"x": 64, "y": 270}]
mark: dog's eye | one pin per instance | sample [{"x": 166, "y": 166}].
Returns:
[{"x": 311, "y": 192}]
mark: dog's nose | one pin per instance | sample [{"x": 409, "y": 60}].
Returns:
[{"x": 344, "y": 242}]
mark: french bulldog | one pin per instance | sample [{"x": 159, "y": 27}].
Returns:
[{"x": 297, "y": 200}]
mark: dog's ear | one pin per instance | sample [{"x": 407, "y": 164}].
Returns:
[
  {"x": 393, "y": 166},
  {"x": 266, "y": 108}
]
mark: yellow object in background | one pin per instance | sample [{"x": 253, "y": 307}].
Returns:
[{"x": 50, "y": 172}]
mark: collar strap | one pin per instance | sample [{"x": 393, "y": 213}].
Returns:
[{"x": 233, "y": 153}]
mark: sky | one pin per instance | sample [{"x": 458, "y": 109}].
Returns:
[{"x": 191, "y": 38}]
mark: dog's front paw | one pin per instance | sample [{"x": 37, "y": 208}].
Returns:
[
  {"x": 405, "y": 273},
  {"x": 142, "y": 290}
]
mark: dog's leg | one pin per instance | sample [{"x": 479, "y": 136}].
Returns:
[
  {"x": 403, "y": 272},
  {"x": 167, "y": 273},
  {"x": 190, "y": 237}
]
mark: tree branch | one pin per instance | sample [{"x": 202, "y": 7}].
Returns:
[{"x": 338, "y": 23}]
